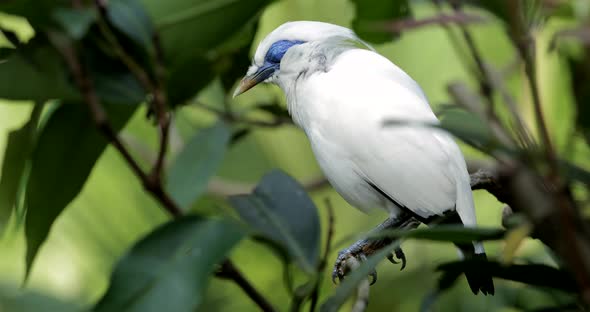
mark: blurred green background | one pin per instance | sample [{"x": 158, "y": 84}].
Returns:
[{"x": 113, "y": 211}]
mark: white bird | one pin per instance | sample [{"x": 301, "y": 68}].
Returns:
[{"x": 340, "y": 92}]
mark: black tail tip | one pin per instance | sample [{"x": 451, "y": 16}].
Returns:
[{"x": 480, "y": 280}]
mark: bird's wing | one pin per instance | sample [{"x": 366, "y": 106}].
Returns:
[{"x": 420, "y": 167}]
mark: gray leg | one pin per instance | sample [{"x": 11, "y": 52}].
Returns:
[{"x": 366, "y": 247}]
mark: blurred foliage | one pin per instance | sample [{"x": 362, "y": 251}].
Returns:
[{"x": 73, "y": 213}]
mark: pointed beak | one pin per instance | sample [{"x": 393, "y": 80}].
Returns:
[
  {"x": 250, "y": 81},
  {"x": 246, "y": 84}
]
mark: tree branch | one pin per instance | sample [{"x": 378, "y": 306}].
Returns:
[
  {"x": 229, "y": 271},
  {"x": 154, "y": 186},
  {"x": 156, "y": 87}
]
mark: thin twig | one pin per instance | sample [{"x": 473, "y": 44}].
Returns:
[
  {"x": 160, "y": 106},
  {"x": 229, "y": 271},
  {"x": 458, "y": 18},
  {"x": 231, "y": 117},
  {"x": 315, "y": 294}
]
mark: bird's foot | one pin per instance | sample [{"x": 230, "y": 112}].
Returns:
[{"x": 359, "y": 252}]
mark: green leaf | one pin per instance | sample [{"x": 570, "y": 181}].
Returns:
[
  {"x": 372, "y": 15},
  {"x": 189, "y": 174},
  {"x": 75, "y": 22},
  {"x": 37, "y": 12},
  {"x": 11, "y": 37},
  {"x": 467, "y": 127},
  {"x": 281, "y": 210},
  {"x": 13, "y": 300},
  {"x": 580, "y": 77},
  {"x": 575, "y": 172},
  {"x": 185, "y": 81},
  {"x": 168, "y": 270},
  {"x": 539, "y": 275},
  {"x": 118, "y": 88},
  {"x": 42, "y": 69},
  {"x": 18, "y": 148},
  {"x": 66, "y": 151},
  {"x": 213, "y": 23},
  {"x": 129, "y": 17},
  {"x": 445, "y": 233},
  {"x": 352, "y": 280}
]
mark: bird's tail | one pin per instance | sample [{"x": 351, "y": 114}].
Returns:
[{"x": 478, "y": 279}]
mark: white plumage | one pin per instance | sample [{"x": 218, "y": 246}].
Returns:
[{"x": 340, "y": 92}]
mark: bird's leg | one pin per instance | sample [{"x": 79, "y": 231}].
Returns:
[{"x": 368, "y": 246}]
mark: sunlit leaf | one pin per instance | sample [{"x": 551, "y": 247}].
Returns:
[
  {"x": 514, "y": 240},
  {"x": 67, "y": 149},
  {"x": 169, "y": 269},
  {"x": 281, "y": 210},
  {"x": 200, "y": 158},
  {"x": 372, "y": 15},
  {"x": 18, "y": 149}
]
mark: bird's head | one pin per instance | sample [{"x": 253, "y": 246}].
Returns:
[{"x": 266, "y": 64}]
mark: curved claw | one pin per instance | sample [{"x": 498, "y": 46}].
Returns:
[
  {"x": 399, "y": 253},
  {"x": 373, "y": 276},
  {"x": 391, "y": 259}
]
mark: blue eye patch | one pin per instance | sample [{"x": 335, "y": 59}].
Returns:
[{"x": 278, "y": 49}]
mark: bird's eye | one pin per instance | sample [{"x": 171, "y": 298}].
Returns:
[{"x": 278, "y": 49}]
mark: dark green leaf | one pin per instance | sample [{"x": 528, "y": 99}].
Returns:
[
  {"x": 446, "y": 233},
  {"x": 190, "y": 172},
  {"x": 11, "y": 37},
  {"x": 43, "y": 71},
  {"x": 168, "y": 270},
  {"x": 18, "y": 148},
  {"x": 235, "y": 56},
  {"x": 5, "y": 53},
  {"x": 129, "y": 17},
  {"x": 13, "y": 300},
  {"x": 352, "y": 280},
  {"x": 580, "y": 72},
  {"x": 539, "y": 275},
  {"x": 185, "y": 81},
  {"x": 281, "y": 210},
  {"x": 174, "y": 17},
  {"x": 75, "y": 22},
  {"x": 66, "y": 151},
  {"x": 37, "y": 12},
  {"x": 372, "y": 15},
  {"x": 119, "y": 88},
  {"x": 575, "y": 172}
]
